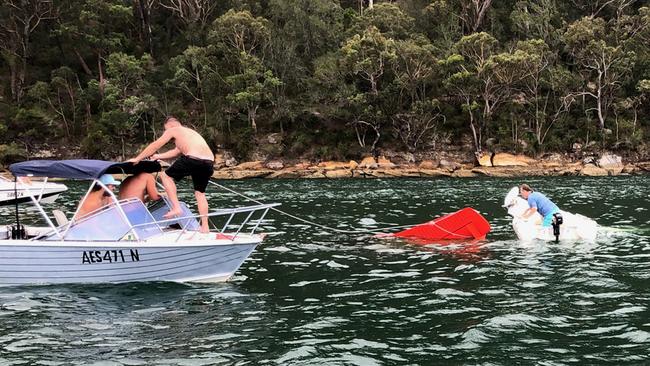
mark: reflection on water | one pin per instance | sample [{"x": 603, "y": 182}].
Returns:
[{"x": 310, "y": 297}]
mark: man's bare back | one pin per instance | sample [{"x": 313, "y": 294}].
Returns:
[
  {"x": 190, "y": 143},
  {"x": 138, "y": 185}
]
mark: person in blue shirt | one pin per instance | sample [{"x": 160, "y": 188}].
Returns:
[{"x": 538, "y": 202}]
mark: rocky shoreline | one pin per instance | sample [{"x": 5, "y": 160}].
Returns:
[{"x": 494, "y": 165}]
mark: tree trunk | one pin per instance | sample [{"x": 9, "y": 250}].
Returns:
[
  {"x": 102, "y": 81},
  {"x": 83, "y": 63},
  {"x": 252, "y": 113}
]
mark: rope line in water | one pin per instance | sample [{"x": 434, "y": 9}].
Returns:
[{"x": 355, "y": 231}]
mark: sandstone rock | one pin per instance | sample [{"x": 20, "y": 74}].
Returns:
[
  {"x": 434, "y": 173},
  {"x": 576, "y": 146},
  {"x": 219, "y": 161},
  {"x": 449, "y": 165},
  {"x": 274, "y": 138},
  {"x": 334, "y": 165},
  {"x": 384, "y": 163},
  {"x": 338, "y": 173},
  {"x": 630, "y": 169},
  {"x": 645, "y": 165},
  {"x": 251, "y": 165},
  {"x": 230, "y": 161},
  {"x": 380, "y": 173},
  {"x": 222, "y": 174},
  {"x": 275, "y": 164},
  {"x": 484, "y": 160},
  {"x": 503, "y": 159},
  {"x": 429, "y": 164},
  {"x": 368, "y": 162},
  {"x": 353, "y": 164},
  {"x": 593, "y": 171},
  {"x": 288, "y": 173},
  {"x": 552, "y": 160},
  {"x": 463, "y": 173},
  {"x": 408, "y": 157},
  {"x": 315, "y": 175},
  {"x": 303, "y": 165},
  {"x": 241, "y": 174},
  {"x": 401, "y": 173},
  {"x": 612, "y": 163}
]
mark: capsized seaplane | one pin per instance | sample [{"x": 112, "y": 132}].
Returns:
[
  {"x": 124, "y": 241},
  {"x": 463, "y": 225},
  {"x": 571, "y": 226}
]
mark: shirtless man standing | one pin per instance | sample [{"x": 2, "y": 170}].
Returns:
[
  {"x": 196, "y": 160},
  {"x": 137, "y": 185}
]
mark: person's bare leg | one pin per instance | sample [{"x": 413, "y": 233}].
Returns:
[
  {"x": 202, "y": 204},
  {"x": 170, "y": 188}
]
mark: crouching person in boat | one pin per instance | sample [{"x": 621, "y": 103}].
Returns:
[
  {"x": 538, "y": 202},
  {"x": 98, "y": 196},
  {"x": 141, "y": 186}
]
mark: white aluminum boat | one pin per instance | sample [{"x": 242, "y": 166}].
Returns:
[
  {"x": 574, "y": 226},
  {"x": 44, "y": 191},
  {"x": 125, "y": 241}
]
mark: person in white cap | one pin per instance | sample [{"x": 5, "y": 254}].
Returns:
[{"x": 98, "y": 196}]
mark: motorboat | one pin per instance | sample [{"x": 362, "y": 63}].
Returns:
[
  {"x": 126, "y": 240},
  {"x": 572, "y": 227},
  {"x": 45, "y": 192},
  {"x": 462, "y": 225}
]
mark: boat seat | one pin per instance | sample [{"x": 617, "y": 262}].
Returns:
[{"x": 60, "y": 217}]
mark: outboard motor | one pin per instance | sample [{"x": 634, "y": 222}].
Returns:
[
  {"x": 18, "y": 232},
  {"x": 557, "y": 221}
]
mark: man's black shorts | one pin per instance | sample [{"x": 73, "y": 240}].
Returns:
[{"x": 200, "y": 169}]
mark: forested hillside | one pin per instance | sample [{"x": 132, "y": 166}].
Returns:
[{"x": 332, "y": 79}]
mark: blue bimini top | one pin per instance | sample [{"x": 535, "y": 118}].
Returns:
[
  {"x": 543, "y": 205},
  {"x": 80, "y": 168}
]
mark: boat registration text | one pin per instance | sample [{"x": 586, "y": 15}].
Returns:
[{"x": 110, "y": 256}]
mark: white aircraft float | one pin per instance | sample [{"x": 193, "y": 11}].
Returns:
[{"x": 571, "y": 227}]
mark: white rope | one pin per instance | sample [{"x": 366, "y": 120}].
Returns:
[{"x": 356, "y": 231}]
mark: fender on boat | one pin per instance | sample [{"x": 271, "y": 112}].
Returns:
[{"x": 465, "y": 224}]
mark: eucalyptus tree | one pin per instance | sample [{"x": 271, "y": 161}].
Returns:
[
  {"x": 443, "y": 27},
  {"x": 470, "y": 81},
  {"x": 19, "y": 19},
  {"x": 251, "y": 87},
  {"x": 62, "y": 96},
  {"x": 98, "y": 27},
  {"x": 302, "y": 32},
  {"x": 537, "y": 19},
  {"x": 604, "y": 64},
  {"x": 128, "y": 102},
  {"x": 195, "y": 75},
  {"x": 389, "y": 19},
  {"x": 368, "y": 57},
  {"x": 544, "y": 89},
  {"x": 243, "y": 39},
  {"x": 416, "y": 74}
]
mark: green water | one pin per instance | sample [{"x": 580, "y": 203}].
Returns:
[{"x": 310, "y": 297}]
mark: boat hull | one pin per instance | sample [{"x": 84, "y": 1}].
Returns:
[
  {"x": 48, "y": 192},
  {"x": 31, "y": 263}
]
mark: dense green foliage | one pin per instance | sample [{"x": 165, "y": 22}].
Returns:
[{"x": 336, "y": 78}]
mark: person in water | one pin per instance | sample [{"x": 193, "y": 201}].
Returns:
[
  {"x": 141, "y": 186},
  {"x": 98, "y": 196},
  {"x": 196, "y": 160},
  {"x": 538, "y": 202}
]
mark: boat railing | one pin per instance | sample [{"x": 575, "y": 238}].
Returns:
[{"x": 231, "y": 218}]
